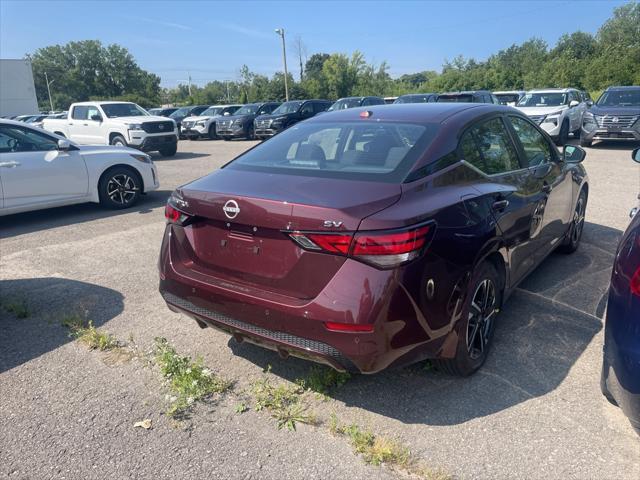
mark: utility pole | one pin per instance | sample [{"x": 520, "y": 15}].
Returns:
[
  {"x": 49, "y": 90},
  {"x": 228, "y": 96},
  {"x": 280, "y": 31},
  {"x": 189, "y": 83}
]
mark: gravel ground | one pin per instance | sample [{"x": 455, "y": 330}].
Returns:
[{"x": 534, "y": 410}]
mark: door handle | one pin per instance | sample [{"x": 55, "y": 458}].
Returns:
[
  {"x": 546, "y": 188},
  {"x": 500, "y": 205},
  {"x": 10, "y": 164},
  {"x": 86, "y": 124}
]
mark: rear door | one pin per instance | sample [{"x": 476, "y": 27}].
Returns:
[
  {"x": 78, "y": 130},
  {"x": 508, "y": 189},
  {"x": 35, "y": 172}
]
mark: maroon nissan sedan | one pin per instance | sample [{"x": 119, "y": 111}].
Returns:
[{"x": 374, "y": 237}]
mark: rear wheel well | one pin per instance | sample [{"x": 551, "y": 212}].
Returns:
[{"x": 127, "y": 167}]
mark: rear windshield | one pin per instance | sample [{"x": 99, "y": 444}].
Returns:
[
  {"x": 507, "y": 98},
  {"x": 551, "y": 99},
  {"x": 455, "y": 98},
  {"x": 620, "y": 98},
  {"x": 383, "y": 152},
  {"x": 115, "y": 110}
]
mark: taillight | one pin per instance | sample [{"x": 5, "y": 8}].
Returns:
[
  {"x": 382, "y": 249},
  {"x": 349, "y": 327},
  {"x": 635, "y": 283},
  {"x": 173, "y": 215}
]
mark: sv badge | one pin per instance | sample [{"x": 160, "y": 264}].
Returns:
[{"x": 332, "y": 224}]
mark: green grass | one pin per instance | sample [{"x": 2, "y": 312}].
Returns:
[
  {"x": 323, "y": 380},
  {"x": 283, "y": 402},
  {"x": 17, "y": 306},
  {"x": 189, "y": 381},
  {"x": 84, "y": 331}
]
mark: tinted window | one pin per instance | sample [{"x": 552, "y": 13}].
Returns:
[
  {"x": 381, "y": 152},
  {"x": 17, "y": 139},
  {"x": 320, "y": 107},
  {"x": 198, "y": 110},
  {"x": 488, "y": 147},
  {"x": 307, "y": 109},
  {"x": 247, "y": 110},
  {"x": 456, "y": 98},
  {"x": 536, "y": 147},
  {"x": 288, "y": 107},
  {"x": 550, "y": 99},
  {"x": 79, "y": 113}
]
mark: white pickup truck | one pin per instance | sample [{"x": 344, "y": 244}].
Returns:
[{"x": 116, "y": 123}]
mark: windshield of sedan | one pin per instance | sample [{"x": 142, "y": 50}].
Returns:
[
  {"x": 212, "y": 112},
  {"x": 620, "y": 98},
  {"x": 247, "y": 110},
  {"x": 287, "y": 107},
  {"x": 551, "y": 99},
  {"x": 381, "y": 151},
  {"x": 345, "y": 103},
  {"x": 115, "y": 110}
]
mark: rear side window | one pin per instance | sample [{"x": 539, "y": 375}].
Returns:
[
  {"x": 487, "y": 147},
  {"x": 383, "y": 152},
  {"x": 80, "y": 112},
  {"x": 536, "y": 147}
]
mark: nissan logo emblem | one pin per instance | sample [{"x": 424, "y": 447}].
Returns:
[{"x": 231, "y": 209}]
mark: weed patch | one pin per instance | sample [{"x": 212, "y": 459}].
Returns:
[
  {"x": 189, "y": 381},
  {"x": 18, "y": 307},
  {"x": 284, "y": 403},
  {"x": 323, "y": 380},
  {"x": 84, "y": 331}
]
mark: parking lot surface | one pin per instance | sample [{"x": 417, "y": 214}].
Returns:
[{"x": 534, "y": 411}]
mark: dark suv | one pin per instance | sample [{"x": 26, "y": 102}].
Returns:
[
  {"x": 352, "y": 102},
  {"x": 615, "y": 116},
  {"x": 287, "y": 114},
  {"x": 469, "y": 96},
  {"x": 240, "y": 124},
  {"x": 417, "y": 98}
]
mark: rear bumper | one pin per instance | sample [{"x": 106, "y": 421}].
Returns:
[
  {"x": 294, "y": 326},
  {"x": 621, "y": 376}
]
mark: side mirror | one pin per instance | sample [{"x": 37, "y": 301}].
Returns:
[
  {"x": 64, "y": 145},
  {"x": 573, "y": 103},
  {"x": 96, "y": 118},
  {"x": 226, "y": 114},
  {"x": 573, "y": 154},
  {"x": 589, "y": 103},
  {"x": 636, "y": 155}
]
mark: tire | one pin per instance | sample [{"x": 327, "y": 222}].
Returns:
[
  {"x": 226, "y": 139},
  {"x": 212, "y": 132},
  {"x": 563, "y": 138},
  {"x": 250, "y": 134},
  {"x": 574, "y": 234},
  {"x": 118, "y": 140},
  {"x": 119, "y": 188},
  {"x": 482, "y": 304},
  {"x": 169, "y": 151}
]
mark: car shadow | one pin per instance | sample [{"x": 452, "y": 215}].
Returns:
[
  {"x": 614, "y": 145},
  {"x": 48, "y": 301},
  {"x": 29, "y": 222},
  {"x": 543, "y": 329},
  {"x": 156, "y": 156}
]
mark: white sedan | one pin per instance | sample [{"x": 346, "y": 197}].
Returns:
[{"x": 41, "y": 170}]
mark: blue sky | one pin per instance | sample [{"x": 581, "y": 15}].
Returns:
[{"x": 212, "y": 40}]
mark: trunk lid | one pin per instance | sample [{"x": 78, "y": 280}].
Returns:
[{"x": 238, "y": 234}]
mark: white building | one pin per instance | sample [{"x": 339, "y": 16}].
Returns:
[{"x": 17, "y": 91}]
